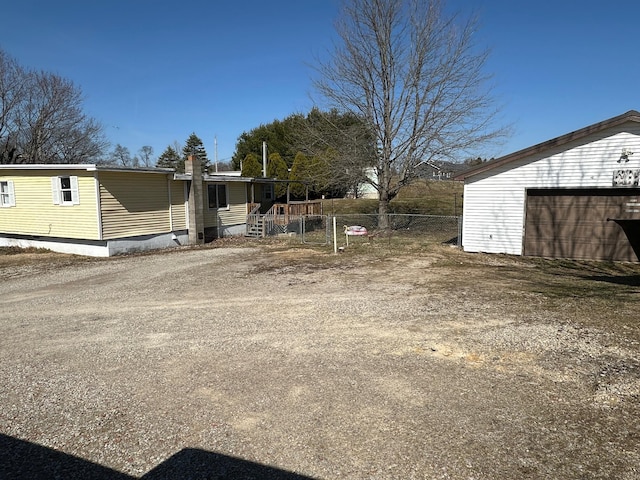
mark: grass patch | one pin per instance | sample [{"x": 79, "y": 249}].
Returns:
[
  {"x": 423, "y": 197},
  {"x": 563, "y": 279},
  {"x": 19, "y": 250}
]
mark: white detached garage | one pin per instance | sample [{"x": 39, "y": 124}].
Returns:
[{"x": 575, "y": 196}]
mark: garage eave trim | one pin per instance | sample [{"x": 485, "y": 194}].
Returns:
[{"x": 630, "y": 116}]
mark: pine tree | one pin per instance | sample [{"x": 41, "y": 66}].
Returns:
[
  {"x": 277, "y": 168},
  {"x": 251, "y": 166},
  {"x": 194, "y": 146},
  {"x": 170, "y": 158}
]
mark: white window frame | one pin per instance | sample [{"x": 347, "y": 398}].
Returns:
[
  {"x": 65, "y": 196},
  {"x": 217, "y": 206},
  {"x": 7, "y": 194}
]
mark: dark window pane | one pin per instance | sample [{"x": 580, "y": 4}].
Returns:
[
  {"x": 211, "y": 193},
  {"x": 222, "y": 196}
]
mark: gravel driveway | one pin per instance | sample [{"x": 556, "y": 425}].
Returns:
[{"x": 278, "y": 363}]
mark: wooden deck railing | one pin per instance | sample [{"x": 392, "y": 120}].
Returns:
[
  {"x": 279, "y": 214},
  {"x": 283, "y": 213}
]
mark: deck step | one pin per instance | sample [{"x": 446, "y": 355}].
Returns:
[{"x": 255, "y": 230}]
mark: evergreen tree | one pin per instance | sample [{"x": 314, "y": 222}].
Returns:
[
  {"x": 251, "y": 166},
  {"x": 277, "y": 134},
  {"x": 345, "y": 135},
  {"x": 299, "y": 171},
  {"x": 170, "y": 158},
  {"x": 277, "y": 168},
  {"x": 194, "y": 146}
]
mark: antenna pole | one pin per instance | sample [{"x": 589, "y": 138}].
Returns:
[{"x": 215, "y": 151}]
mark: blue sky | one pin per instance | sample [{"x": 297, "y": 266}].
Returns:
[{"x": 153, "y": 72}]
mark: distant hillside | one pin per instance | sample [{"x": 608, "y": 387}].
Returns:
[
  {"x": 424, "y": 197},
  {"x": 440, "y": 170}
]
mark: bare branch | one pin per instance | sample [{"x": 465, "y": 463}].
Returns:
[
  {"x": 41, "y": 118},
  {"x": 416, "y": 78}
]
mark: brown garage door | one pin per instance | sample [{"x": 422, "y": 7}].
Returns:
[{"x": 583, "y": 224}]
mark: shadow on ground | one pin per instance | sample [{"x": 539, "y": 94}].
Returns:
[
  {"x": 20, "y": 459},
  {"x": 628, "y": 280}
]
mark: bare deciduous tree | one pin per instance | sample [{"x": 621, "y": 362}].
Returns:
[
  {"x": 11, "y": 94},
  {"x": 41, "y": 118},
  {"x": 121, "y": 157},
  {"x": 145, "y": 155},
  {"x": 415, "y": 76}
]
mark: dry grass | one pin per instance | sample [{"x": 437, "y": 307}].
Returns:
[
  {"x": 423, "y": 197},
  {"x": 597, "y": 294},
  {"x": 20, "y": 251}
]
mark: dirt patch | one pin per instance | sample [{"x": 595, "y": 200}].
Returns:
[{"x": 280, "y": 362}]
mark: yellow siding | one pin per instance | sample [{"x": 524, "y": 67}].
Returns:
[
  {"x": 178, "y": 205},
  {"x": 134, "y": 204},
  {"x": 237, "y": 212},
  {"x": 35, "y": 212}
]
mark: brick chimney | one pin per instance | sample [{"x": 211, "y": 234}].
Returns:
[{"x": 196, "y": 205}]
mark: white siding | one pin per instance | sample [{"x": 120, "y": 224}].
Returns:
[{"x": 494, "y": 201}]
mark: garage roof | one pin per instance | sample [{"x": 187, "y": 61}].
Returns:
[{"x": 630, "y": 116}]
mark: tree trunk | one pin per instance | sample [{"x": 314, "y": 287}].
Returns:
[{"x": 383, "y": 212}]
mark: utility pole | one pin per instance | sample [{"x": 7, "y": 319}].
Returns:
[
  {"x": 215, "y": 151},
  {"x": 264, "y": 159}
]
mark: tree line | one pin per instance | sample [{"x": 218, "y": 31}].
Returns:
[
  {"x": 320, "y": 153},
  {"x": 405, "y": 86},
  {"x": 173, "y": 156}
]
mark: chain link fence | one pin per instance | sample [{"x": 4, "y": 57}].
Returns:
[{"x": 318, "y": 229}]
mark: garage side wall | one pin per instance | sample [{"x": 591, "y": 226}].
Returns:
[{"x": 494, "y": 201}]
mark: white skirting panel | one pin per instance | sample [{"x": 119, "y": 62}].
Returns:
[{"x": 106, "y": 248}]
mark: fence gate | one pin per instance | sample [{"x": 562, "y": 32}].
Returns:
[{"x": 316, "y": 229}]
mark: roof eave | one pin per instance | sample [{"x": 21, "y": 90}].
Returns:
[
  {"x": 89, "y": 167},
  {"x": 630, "y": 116}
]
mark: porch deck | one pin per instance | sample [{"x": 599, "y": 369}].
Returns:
[{"x": 279, "y": 217}]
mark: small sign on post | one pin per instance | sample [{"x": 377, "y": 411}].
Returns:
[{"x": 354, "y": 230}]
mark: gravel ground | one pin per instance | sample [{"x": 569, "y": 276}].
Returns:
[{"x": 289, "y": 363}]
